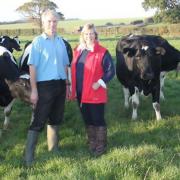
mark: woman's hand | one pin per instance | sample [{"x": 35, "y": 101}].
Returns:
[{"x": 95, "y": 85}]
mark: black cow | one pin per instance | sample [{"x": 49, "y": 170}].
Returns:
[
  {"x": 9, "y": 72},
  {"x": 138, "y": 68}
]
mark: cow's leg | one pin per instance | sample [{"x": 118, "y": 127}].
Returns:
[
  {"x": 156, "y": 107},
  {"x": 126, "y": 97},
  {"x": 162, "y": 78},
  {"x": 155, "y": 99},
  {"x": 135, "y": 103},
  {"x": 178, "y": 69},
  {"x": 7, "y": 112},
  {"x": 0, "y": 133}
]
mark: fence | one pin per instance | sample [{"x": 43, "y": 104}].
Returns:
[
  {"x": 164, "y": 30},
  {"x": 23, "y": 32}
]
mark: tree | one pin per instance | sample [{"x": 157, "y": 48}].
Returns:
[
  {"x": 33, "y": 10},
  {"x": 166, "y": 10}
]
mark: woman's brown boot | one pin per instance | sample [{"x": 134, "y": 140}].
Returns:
[
  {"x": 101, "y": 140},
  {"x": 91, "y": 134}
]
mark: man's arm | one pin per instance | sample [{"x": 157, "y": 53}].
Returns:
[{"x": 34, "y": 92}]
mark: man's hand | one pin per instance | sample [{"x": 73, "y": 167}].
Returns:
[{"x": 34, "y": 97}]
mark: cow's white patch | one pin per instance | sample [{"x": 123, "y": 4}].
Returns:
[
  {"x": 7, "y": 111},
  {"x": 25, "y": 76},
  {"x": 145, "y": 48},
  {"x": 26, "y": 52},
  {"x": 135, "y": 103},
  {"x": 126, "y": 97},
  {"x": 131, "y": 35},
  {"x": 162, "y": 78},
  {"x": 156, "y": 107},
  {"x": 3, "y": 50},
  {"x": 2, "y": 40}
]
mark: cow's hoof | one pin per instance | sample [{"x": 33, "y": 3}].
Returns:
[
  {"x": 159, "y": 119},
  {"x": 126, "y": 106},
  {"x": 0, "y": 133},
  {"x": 6, "y": 127}
]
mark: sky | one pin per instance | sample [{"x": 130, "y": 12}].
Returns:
[{"x": 83, "y": 9}]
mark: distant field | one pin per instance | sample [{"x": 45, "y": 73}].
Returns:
[{"x": 70, "y": 24}]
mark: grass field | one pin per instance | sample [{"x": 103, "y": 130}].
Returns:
[{"x": 137, "y": 150}]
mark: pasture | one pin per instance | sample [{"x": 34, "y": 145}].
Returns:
[{"x": 141, "y": 149}]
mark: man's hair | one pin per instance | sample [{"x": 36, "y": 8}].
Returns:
[{"x": 49, "y": 11}]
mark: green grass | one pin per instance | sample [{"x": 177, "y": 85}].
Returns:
[{"x": 141, "y": 149}]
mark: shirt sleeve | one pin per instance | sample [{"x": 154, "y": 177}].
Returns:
[
  {"x": 66, "y": 58},
  {"x": 34, "y": 54},
  {"x": 65, "y": 54},
  {"x": 108, "y": 67}
]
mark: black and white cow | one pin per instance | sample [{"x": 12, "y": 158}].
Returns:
[
  {"x": 9, "y": 72},
  {"x": 170, "y": 60},
  {"x": 138, "y": 69},
  {"x": 10, "y": 43}
]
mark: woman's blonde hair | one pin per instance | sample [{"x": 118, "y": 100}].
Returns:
[{"x": 86, "y": 27}]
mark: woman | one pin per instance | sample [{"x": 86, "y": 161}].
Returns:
[{"x": 92, "y": 67}]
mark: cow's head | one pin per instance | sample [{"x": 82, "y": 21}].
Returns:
[
  {"x": 143, "y": 60},
  {"x": 20, "y": 89},
  {"x": 10, "y": 43}
]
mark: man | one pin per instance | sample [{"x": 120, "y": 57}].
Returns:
[{"x": 48, "y": 62}]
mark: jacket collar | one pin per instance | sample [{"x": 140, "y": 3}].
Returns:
[{"x": 82, "y": 47}]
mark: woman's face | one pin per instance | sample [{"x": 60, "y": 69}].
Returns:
[{"x": 89, "y": 36}]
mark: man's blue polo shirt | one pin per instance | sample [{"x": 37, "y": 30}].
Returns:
[{"x": 49, "y": 56}]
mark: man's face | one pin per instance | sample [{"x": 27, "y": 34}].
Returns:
[{"x": 50, "y": 25}]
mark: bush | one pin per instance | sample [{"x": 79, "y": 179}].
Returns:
[
  {"x": 109, "y": 24},
  {"x": 137, "y": 22},
  {"x": 149, "y": 20}
]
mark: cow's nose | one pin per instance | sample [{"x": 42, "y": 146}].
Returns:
[{"x": 148, "y": 76}]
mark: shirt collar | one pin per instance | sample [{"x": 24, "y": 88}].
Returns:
[{"x": 45, "y": 36}]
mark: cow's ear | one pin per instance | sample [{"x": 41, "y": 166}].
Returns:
[
  {"x": 160, "y": 50},
  {"x": 6, "y": 55},
  {"x": 129, "y": 51}
]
